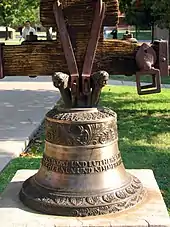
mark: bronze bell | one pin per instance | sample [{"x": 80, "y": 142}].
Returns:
[{"x": 82, "y": 172}]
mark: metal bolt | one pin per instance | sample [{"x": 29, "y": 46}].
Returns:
[{"x": 163, "y": 59}]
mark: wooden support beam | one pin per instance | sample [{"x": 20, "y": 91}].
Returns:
[
  {"x": 45, "y": 58},
  {"x": 78, "y": 12}
]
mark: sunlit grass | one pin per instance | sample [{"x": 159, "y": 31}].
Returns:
[{"x": 146, "y": 79}]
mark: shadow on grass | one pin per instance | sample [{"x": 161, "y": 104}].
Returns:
[
  {"x": 149, "y": 157},
  {"x": 144, "y": 133},
  {"x": 139, "y": 118},
  {"x": 127, "y": 100}
]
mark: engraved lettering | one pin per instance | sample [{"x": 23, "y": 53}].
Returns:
[
  {"x": 81, "y": 167},
  {"x": 73, "y": 170},
  {"x": 78, "y": 164},
  {"x": 90, "y": 170},
  {"x": 85, "y": 170},
  {"x": 97, "y": 163},
  {"x": 97, "y": 169},
  {"x": 84, "y": 164},
  {"x": 67, "y": 170},
  {"x": 89, "y": 164}
]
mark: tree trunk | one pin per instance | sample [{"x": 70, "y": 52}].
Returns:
[
  {"x": 169, "y": 43},
  {"x": 6, "y": 33},
  {"x": 153, "y": 30},
  {"x": 48, "y": 34},
  {"x": 136, "y": 31}
]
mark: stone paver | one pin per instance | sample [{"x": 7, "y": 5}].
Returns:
[
  {"x": 23, "y": 104},
  {"x": 151, "y": 212}
]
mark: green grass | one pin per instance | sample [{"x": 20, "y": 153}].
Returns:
[
  {"x": 17, "y": 41},
  {"x": 147, "y": 79},
  {"x": 16, "y": 164},
  {"x": 11, "y": 41},
  {"x": 142, "y": 35},
  {"x": 144, "y": 131},
  {"x": 144, "y": 135}
]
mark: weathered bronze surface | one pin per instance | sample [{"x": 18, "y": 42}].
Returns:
[{"x": 82, "y": 172}]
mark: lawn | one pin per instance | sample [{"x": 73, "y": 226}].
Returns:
[
  {"x": 144, "y": 135},
  {"x": 147, "y": 79},
  {"x": 17, "y": 41},
  {"x": 142, "y": 35}
]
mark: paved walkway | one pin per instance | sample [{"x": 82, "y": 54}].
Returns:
[{"x": 23, "y": 104}]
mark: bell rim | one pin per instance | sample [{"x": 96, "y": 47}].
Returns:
[{"x": 47, "y": 206}]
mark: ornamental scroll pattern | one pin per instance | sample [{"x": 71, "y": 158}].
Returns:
[
  {"x": 81, "y": 116},
  {"x": 113, "y": 202},
  {"x": 81, "y": 134}
]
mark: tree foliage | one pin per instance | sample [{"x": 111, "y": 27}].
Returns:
[
  {"x": 31, "y": 14},
  {"x": 13, "y": 12},
  {"x": 138, "y": 12},
  {"x": 8, "y": 10},
  {"x": 161, "y": 9},
  {"x": 146, "y": 12}
]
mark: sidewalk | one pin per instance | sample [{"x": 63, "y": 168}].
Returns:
[
  {"x": 22, "y": 108},
  {"x": 48, "y": 79},
  {"x": 24, "y": 102}
]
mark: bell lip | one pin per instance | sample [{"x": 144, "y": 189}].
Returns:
[{"x": 108, "y": 207}]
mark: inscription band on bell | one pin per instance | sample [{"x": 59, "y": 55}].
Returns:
[{"x": 81, "y": 167}]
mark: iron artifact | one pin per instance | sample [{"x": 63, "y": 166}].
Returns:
[{"x": 82, "y": 172}]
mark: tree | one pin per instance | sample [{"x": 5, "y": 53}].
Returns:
[
  {"x": 138, "y": 13},
  {"x": 161, "y": 10},
  {"x": 155, "y": 12},
  {"x": 16, "y": 12},
  {"x": 31, "y": 14},
  {"x": 8, "y": 10}
]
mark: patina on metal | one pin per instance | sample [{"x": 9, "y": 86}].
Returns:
[{"x": 82, "y": 172}]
